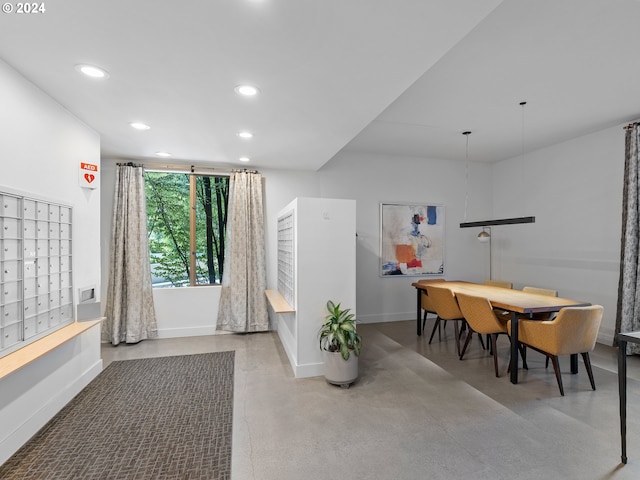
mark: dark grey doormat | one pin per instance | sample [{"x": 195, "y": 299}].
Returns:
[{"x": 155, "y": 418}]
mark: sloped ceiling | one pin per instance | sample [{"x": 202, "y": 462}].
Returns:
[{"x": 394, "y": 78}]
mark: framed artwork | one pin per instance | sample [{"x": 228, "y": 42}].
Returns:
[{"x": 411, "y": 239}]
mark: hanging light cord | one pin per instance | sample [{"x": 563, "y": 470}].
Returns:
[
  {"x": 522, "y": 104},
  {"x": 466, "y": 174}
]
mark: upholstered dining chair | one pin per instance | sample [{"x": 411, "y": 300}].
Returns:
[
  {"x": 446, "y": 306},
  {"x": 481, "y": 319},
  {"x": 501, "y": 284},
  {"x": 541, "y": 291},
  {"x": 539, "y": 316},
  {"x": 574, "y": 330},
  {"x": 425, "y": 300},
  {"x": 498, "y": 283}
]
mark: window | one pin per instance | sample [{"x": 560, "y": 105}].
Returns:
[{"x": 187, "y": 218}]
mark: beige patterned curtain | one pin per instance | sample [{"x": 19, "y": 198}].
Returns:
[
  {"x": 629, "y": 283},
  {"x": 130, "y": 312},
  {"x": 243, "y": 306}
]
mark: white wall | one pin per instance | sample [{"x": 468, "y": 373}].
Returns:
[
  {"x": 325, "y": 269},
  {"x": 374, "y": 179},
  {"x": 280, "y": 188},
  {"x": 574, "y": 189},
  {"x": 41, "y": 150}
]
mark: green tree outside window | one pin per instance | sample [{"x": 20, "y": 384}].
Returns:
[{"x": 170, "y": 230}]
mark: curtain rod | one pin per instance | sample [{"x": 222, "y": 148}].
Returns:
[
  {"x": 128, "y": 164},
  {"x": 631, "y": 125},
  {"x": 187, "y": 168}
]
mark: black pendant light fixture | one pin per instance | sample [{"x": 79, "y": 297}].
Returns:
[{"x": 484, "y": 236}]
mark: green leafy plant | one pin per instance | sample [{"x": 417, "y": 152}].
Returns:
[{"x": 338, "y": 333}]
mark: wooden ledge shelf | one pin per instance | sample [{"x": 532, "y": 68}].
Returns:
[
  {"x": 29, "y": 353},
  {"x": 278, "y": 302}
]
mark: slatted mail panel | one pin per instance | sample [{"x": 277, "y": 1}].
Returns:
[
  {"x": 286, "y": 258},
  {"x": 36, "y": 269}
]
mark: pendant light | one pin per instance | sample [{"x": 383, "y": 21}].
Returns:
[
  {"x": 466, "y": 173},
  {"x": 501, "y": 221},
  {"x": 485, "y": 237}
]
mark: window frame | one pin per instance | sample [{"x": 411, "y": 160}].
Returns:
[{"x": 193, "y": 174}]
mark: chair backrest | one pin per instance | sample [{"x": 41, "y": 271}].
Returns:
[
  {"x": 576, "y": 329},
  {"x": 426, "y": 302},
  {"x": 444, "y": 302},
  {"x": 498, "y": 283},
  {"x": 541, "y": 291},
  {"x": 479, "y": 314}
]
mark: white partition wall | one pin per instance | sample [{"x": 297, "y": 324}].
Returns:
[
  {"x": 42, "y": 148},
  {"x": 324, "y": 268}
]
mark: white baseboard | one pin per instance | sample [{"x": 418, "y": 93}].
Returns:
[
  {"x": 186, "y": 332},
  {"x": 288, "y": 342},
  {"x": 389, "y": 317},
  {"x": 309, "y": 370},
  {"x": 31, "y": 425}
]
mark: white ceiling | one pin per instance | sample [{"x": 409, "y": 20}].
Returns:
[{"x": 401, "y": 77}]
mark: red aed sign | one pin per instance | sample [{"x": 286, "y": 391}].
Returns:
[{"x": 88, "y": 175}]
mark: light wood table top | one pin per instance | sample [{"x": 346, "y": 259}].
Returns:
[{"x": 507, "y": 298}]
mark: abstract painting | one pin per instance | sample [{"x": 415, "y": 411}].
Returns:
[{"x": 411, "y": 239}]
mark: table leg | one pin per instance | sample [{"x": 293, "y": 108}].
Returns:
[
  {"x": 419, "y": 311},
  {"x": 622, "y": 390},
  {"x": 514, "y": 347},
  {"x": 573, "y": 358}
]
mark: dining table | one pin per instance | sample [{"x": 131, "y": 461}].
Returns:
[{"x": 516, "y": 302}]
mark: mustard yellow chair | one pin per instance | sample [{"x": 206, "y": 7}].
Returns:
[
  {"x": 498, "y": 283},
  {"x": 574, "y": 330},
  {"x": 539, "y": 316},
  {"x": 541, "y": 291},
  {"x": 501, "y": 284},
  {"x": 425, "y": 301},
  {"x": 481, "y": 319},
  {"x": 446, "y": 306}
]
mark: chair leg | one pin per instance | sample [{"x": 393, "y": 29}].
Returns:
[
  {"x": 556, "y": 368},
  {"x": 466, "y": 343},
  {"x": 523, "y": 354},
  {"x": 494, "y": 348},
  {"x": 546, "y": 363},
  {"x": 481, "y": 341},
  {"x": 435, "y": 327},
  {"x": 424, "y": 319},
  {"x": 587, "y": 364}
]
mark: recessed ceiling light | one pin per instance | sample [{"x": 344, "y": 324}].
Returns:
[
  {"x": 244, "y": 159},
  {"x": 163, "y": 154},
  {"x": 140, "y": 126},
  {"x": 247, "y": 90},
  {"x": 92, "y": 71},
  {"x": 245, "y": 134}
]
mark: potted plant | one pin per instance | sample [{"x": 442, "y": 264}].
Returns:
[{"x": 340, "y": 345}]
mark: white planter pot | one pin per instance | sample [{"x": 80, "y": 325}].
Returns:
[{"x": 339, "y": 371}]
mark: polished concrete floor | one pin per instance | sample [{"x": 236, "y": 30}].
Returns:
[{"x": 417, "y": 412}]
